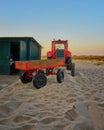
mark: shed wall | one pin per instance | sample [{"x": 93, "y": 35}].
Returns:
[
  {"x": 28, "y": 50},
  {"x": 34, "y": 52},
  {"x": 4, "y": 61}
]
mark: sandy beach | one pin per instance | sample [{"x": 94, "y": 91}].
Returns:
[{"x": 75, "y": 104}]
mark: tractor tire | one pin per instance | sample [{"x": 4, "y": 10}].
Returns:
[
  {"x": 73, "y": 69},
  {"x": 40, "y": 80},
  {"x": 68, "y": 64},
  {"x": 60, "y": 76},
  {"x": 25, "y": 78}
]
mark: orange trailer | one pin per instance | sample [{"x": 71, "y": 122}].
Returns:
[{"x": 42, "y": 68}]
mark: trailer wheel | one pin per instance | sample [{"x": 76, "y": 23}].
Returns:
[
  {"x": 40, "y": 80},
  {"x": 68, "y": 64},
  {"x": 60, "y": 76},
  {"x": 73, "y": 69},
  {"x": 25, "y": 77}
]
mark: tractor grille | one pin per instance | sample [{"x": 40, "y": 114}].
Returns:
[{"x": 59, "y": 54}]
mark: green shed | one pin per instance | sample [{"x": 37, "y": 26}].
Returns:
[{"x": 21, "y": 49}]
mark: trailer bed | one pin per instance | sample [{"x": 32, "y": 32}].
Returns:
[{"x": 39, "y": 64}]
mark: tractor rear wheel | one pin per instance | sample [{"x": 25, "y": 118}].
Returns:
[
  {"x": 73, "y": 69},
  {"x": 60, "y": 76},
  {"x": 68, "y": 64},
  {"x": 25, "y": 77},
  {"x": 40, "y": 80}
]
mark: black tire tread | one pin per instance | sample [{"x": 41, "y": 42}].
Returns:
[
  {"x": 73, "y": 69},
  {"x": 39, "y": 76},
  {"x": 60, "y": 76},
  {"x": 24, "y": 78}
]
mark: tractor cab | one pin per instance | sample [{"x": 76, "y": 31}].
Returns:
[{"x": 59, "y": 50}]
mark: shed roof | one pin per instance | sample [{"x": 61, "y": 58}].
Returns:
[{"x": 20, "y": 38}]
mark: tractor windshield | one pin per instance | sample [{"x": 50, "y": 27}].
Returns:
[{"x": 60, "y": 46}]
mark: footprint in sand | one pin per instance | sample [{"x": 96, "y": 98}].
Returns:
[
  {"x": 49, "y": 119},
  {"x": 8, "y": 109},
  {"x": 71, "y": 115}
]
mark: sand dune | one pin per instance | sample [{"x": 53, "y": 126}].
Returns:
[{"x": 76, "y": 104}]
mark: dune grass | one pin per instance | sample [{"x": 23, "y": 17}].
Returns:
[
  {"x": 84, "y": 57},
  {"x": 98, "y": 60}
]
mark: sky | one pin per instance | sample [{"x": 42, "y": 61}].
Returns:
[{"x": 81, "y": 22}]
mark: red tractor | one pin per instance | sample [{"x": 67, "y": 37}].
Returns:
[{"x": 60, "y": 50}]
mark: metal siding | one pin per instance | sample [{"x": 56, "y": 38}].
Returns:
[
  {"x": 29, "y": 50},
  {"x": 23, "y": 50},
  {"x": 4, "y": 61},
  {"x": 34, "y": 51},
  {"x": 39, "y": 53}
]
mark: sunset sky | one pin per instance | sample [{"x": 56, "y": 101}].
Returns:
[{"x": 81, "y": 22}]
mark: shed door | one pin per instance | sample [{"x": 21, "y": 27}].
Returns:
[
  {"x": 4, "y": 61},
  {"x": 23, "y": 51}
]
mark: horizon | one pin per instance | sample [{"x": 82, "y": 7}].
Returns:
[{"x": 80, "y": 22}]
